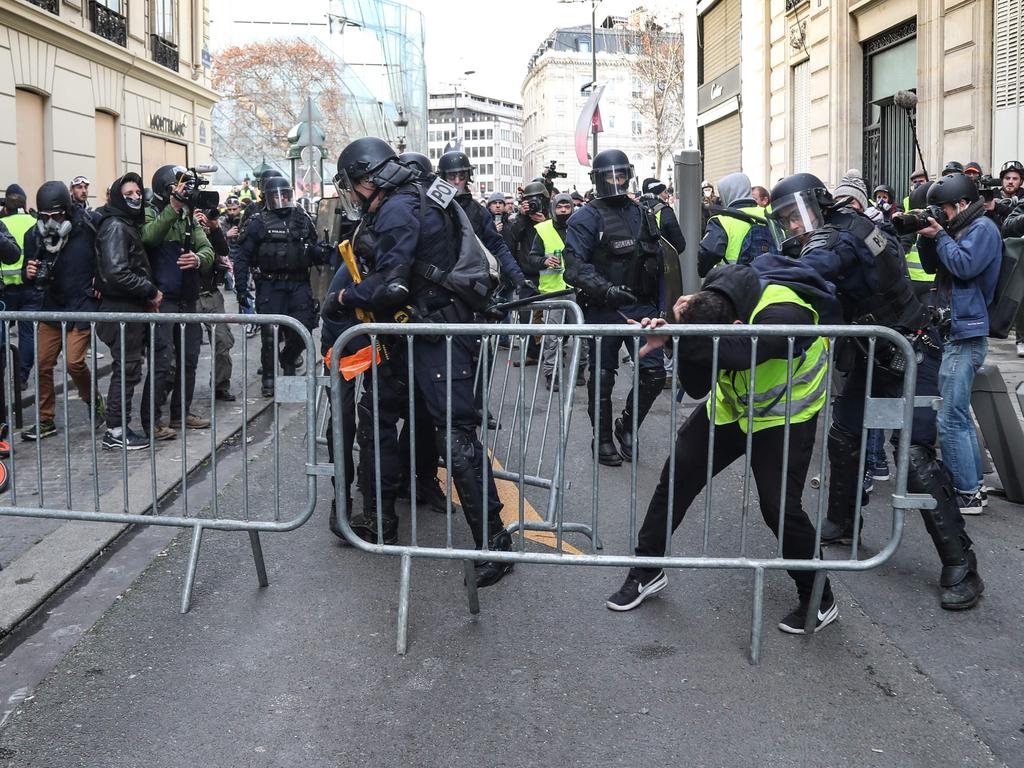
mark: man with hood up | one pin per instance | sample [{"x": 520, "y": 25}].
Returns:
[
  {"x": 728, "y": 237},
  {"x": 545, "y": 258},
  {"x": 124, "y": 280},
  {"x": 735, "y": 294}
]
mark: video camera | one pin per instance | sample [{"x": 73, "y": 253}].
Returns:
[
  {"x": 551, "y": 172},
  {"x": 193, "y": 195},
  {"x": 987, "y": 187},
  {"x": 916, "y": 220}
]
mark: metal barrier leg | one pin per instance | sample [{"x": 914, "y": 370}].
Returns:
[
  {"x": 405, "y": 574},
  {"x": 190, "y": 572},
  {"x": 471, "y": 592},
  {"x": 257, "y": 556},
  {"x": 757, "y": 617},
  {"x": 817, "y": 589}
]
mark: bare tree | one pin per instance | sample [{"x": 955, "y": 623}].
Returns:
[
  {"x": 658, "y": 65},
  {"x": 263, "y": 88}
]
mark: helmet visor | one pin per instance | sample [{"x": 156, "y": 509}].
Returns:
[
  {"x": 278, "y": 199},
  {"x": 793, "y": 218},
  {"x": 350, "y": 200},
  {"x": 612, "y": 181}
]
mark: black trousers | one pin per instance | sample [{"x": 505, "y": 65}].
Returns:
[
  {"x": 766, "y": 465},
  {"x": 121, "y": 392}
]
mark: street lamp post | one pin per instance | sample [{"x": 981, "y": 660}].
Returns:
[
  {"x": 457, "y": 115},
  {"x": 593, "y": 53}
]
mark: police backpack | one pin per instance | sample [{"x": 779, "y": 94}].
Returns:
[
  {"x": 474, "y": 276},
  {"x": 1009, "y": 293}
]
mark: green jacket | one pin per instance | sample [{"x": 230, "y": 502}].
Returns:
[{"x": 164, "y": 235}]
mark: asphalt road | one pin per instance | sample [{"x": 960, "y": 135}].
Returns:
[{"x": 305, "y": 671}]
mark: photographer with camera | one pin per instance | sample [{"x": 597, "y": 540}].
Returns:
[
  {"x": 211, "y": 301},
  {"x": 964, "y": 250},
  {"x": 60, "y": 263},
  {"x": 178, "y": 251},
  {"x": 533, "y": 211}
]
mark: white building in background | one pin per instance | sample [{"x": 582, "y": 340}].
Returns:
[
  {"x": 553, "y": 100},
  {"x": 492, "y": 136},
  {"x": 102, "y": 88}
]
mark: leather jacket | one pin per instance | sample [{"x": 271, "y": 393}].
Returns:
[{"x": 123, "y": 271}]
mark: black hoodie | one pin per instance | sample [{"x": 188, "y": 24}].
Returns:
[
  {"x": 123, "y": 272},
  {"x": 743, "y": 287}
]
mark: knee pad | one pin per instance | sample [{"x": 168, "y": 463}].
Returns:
[
  {"x": 464, "y": 450},
  {"x": 925, "y": 474}
]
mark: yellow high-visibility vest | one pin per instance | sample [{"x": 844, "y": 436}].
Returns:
[
  {"x": 736, "y": 230},
  {"x": 551, "y": 278},
  {"x": 805, "y": 398},
  {"x": 17, "y": 224}
]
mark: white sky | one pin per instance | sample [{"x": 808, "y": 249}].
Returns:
[{"x": 496, "y": 39}]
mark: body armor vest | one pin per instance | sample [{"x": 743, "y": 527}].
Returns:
[
  {"x": 283, "y": 247},
  {"x": 628, "y": 258}
]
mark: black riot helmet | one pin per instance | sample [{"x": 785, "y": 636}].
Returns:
[
  {"x": 278, "y": 194},
  {"x": 375, "y": 161},
  {"x": 952, "y": 189},
  {"x": 536, "y": 189},
  {"x": 53, "y": 197},
  {"x": 610, "y": 173},
  {"x": 918, "y": 197},
  {"x": 953, "y": 166},
  {"x": 799, "y": 203},
  {"x": 267, "y": 175},
  {"x": 166, "y": 176},
  {"x": 455, "y": 162},
  {"x": 418, "y": 162}
]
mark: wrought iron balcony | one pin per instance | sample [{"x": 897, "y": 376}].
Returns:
[
  {"x": 108, "y": 23},
  {"x": 53, "y": 6},
  {"x": 792, "y": 5},
  {"x": 165, "y": 53}
]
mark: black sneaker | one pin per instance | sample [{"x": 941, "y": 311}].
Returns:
[
  {"x": 971, "y": 503},
  {"x": 869, "y": 482},
  {"x": 794, "y": 622},
  {"x": 634, "y": 591},
  {"x": 39, "y": 431},
  {"x": 117, "y": 438}
]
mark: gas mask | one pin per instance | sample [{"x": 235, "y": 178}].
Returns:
[{"x": 53, "y": 234}]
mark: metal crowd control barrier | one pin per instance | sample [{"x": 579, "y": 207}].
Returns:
[
  {"x": 569, "y": 514},
  {"x": 70, "y": 488}
]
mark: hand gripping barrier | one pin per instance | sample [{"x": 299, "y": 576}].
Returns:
[
  {"x": 75, "y": 479},
  {"x": 576, "y": 513}
]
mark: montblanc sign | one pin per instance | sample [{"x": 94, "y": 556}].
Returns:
[{"x": 167, "y": 125}]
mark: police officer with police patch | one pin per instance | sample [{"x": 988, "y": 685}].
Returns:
[
  {"x": 281, "y": 242},
  {"x": 415, "y": 236},
  {"x": 613, "y": 256},
  {"x": 866, "y": 266}
]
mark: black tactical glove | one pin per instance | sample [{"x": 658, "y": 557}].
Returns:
[
  {"x": 527, "y": 290},
  {"x": 494, "y": 313},
  {"x": 616, "y": 296}
]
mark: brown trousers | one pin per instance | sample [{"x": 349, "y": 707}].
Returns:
[{"x": 49, "y": 348}]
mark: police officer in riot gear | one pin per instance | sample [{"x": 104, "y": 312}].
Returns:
[
  {"x": 408, "y": 244},
  {"x": 455, "y": 168},
  {"x": 865, "y": 265},
  {"x": 614, "y": 258},
  {"x": 418, "y": 162},
  {"x": 281, "y": 242}
]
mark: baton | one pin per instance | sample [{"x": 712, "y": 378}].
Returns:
[{"x": 533, "y": 299}]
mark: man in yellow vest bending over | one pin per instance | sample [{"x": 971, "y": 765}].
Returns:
[
  {"x": 726, "y": 234},
  {"x": 735, "y": 294},
  {"x": 19, "y": 297},
  {"x": 545, "y": 258}
]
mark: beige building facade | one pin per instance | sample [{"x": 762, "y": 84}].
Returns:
[
  {"x": 102, "y": 87},
  {"x": 814, "y": 86}
]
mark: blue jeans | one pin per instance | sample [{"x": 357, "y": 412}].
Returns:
[{"x": 957, "y": 438}]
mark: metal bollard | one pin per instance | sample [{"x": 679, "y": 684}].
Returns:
[
  {"x": 687, "y": 189},
  {"x": 1000, "y": 426}
]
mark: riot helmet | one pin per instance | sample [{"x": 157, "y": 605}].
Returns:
[
  {"x": 953, "y": 166},
  {"x": 278, "y": 194},
  {"x": 952, "y": 189},
  {"x": 369, "y": 160},
  {"x": 454, "y": 167},
  {"x": 798, "y": 203},
  {"x": 536, "y": 189},
  {"x": 418, "y": 162},
  {"x": 611, "y": 173},
  {"x": 53, "y": 197},
  {"x": 267, "y": 175},
  {"x": 166, "y": 177}
]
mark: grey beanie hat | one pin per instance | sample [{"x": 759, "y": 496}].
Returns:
[
  {"x": 496, "y": 197},
  {"x": 852, "y": 185},
  {"x": 735, "y": 186}
]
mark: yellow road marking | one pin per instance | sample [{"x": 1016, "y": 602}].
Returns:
[{"x": 508, "y": 493}]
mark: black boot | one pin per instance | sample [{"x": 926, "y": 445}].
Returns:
[
  {"x": 488, "y": 573},
  {"x": 960, "y": 582},
  {"x": 268, "y": 386},
  {"x": 365, "y": 525},
  {"x": 429, "y": 493},
  {"x": 843, "y": 487},
  {"x": 607, "y": 453},
  {"x": 651, "y": 382}
]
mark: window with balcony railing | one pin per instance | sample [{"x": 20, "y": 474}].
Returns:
[
  {"x": 164, "y": 53},
  {"x": 164, "y": 37},
  {"x": 53, "y": 6},
  {"x": 108, "y": 20}
]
